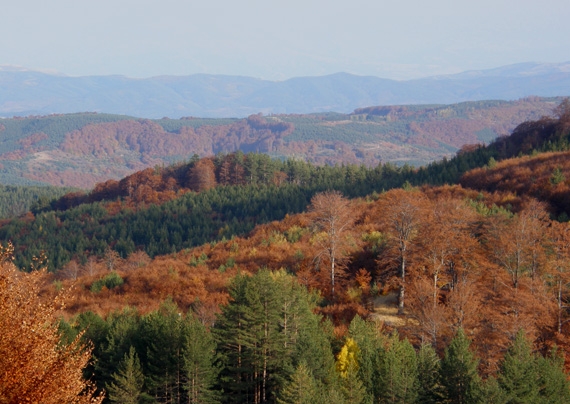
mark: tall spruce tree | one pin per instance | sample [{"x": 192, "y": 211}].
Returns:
[
  {"x": 162, "y": 337},
  {"x": 114, "y": 342},
  {"x": 398, "y": 372},
  {"x": 553, "y": 381},
  {"x": 459, "y": 377},
  {"x": 199, "y": 363},
  {"x": 301, "y": 389},
  {"x": 429, "y": 385},
  {"x": 369, "y": 340},
  {"x": 128, "y": 381},
  {"x": 518, "y": 375}
]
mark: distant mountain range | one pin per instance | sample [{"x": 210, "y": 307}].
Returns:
[{"x": 27, "y": 92}]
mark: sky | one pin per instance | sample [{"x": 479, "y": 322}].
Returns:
[{"x": 277, "y": 40}]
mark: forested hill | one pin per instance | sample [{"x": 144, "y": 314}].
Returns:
[
  {"x": 427, "y": 294},
  {"x": 81, "y": 150},
  {"x": 164, "y": 210},
  {"x": 485, "y": 287}
]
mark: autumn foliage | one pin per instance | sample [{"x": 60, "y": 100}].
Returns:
[{"x": 34, "y": 366}]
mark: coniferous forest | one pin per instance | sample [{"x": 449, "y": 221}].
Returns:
[{"x": 237, "y": 278}]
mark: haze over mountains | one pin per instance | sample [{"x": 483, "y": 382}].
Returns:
[{"x": 27, "y": 92}]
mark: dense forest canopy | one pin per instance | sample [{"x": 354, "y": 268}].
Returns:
[{"x": 270, "y": 281}]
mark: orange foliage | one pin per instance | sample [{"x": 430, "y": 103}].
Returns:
[
  {"x": 460, "y": 269},
  {"x": 34, "y": 367},
  {"x": 531, "y": 176}
]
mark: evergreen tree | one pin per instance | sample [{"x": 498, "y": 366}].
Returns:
[
  {"x": 301, "y": 389},
  {"x": 553, "y": 382},
  {"x": 367, "y": 337},
  {"x": 398, "y": 372},
  {"x": 458, "y": 372},
  {"x": 261, "y": 336},
  {"x": 162, "y": 336},
  {"x": 128, "y": 381},
  {"x": 518, "y": 375},
  {"x": 112, "y": 342},
  {"x": 429, "y": 385},
  {"x": 199, "y": 357},
  {"x": 229, "y": 333},
  {"x": 492, "y": 393}
]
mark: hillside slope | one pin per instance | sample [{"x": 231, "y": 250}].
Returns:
[{"x": 82, "y": 149}]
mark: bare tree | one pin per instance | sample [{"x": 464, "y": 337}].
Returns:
[
  {"x": 71, "y": 270},
  {"x": 402, "y": 212},
  {"x": 334, "y": 219}
]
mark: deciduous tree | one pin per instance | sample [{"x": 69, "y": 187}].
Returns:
[
  {"x": 334, "y": 219},
  {"x": 34, "y": 366},
  {"x": 402, "y": 212}
]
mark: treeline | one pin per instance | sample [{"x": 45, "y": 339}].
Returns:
[
  {"x": 17, "y": 200},
  {"x": 267, "y": 345}
]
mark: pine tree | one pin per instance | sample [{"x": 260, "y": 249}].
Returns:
[
  {"x": 553, "y": 382},
  {"x": 301, "y": 389},
  {"x": 366, "y": 335},
  {"x": 491, "y": 392},
  {"x": 398, "y": 372},
  {"x": 199, "y": 357},
  {"x": 429, "y": 385},
  {"x": 128, "y": 381},
  {"x": 458, "y": 372},
  {"x": 518, "y": 375},
  {"x": 261, "y": 336},
  {"x": 162, "y": 336}
]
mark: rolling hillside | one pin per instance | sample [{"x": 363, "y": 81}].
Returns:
[{"x": 81, "y": 150}]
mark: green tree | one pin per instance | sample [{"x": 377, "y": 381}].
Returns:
[
  {"x": 398, "y": 372},
  {"x": 518, "y": 375},
  {"x": 251, "y": 340},
  {"x": 162, "y": 336},
  {"x": 264, "y": 333},
  {"x": 112, "y": 340},
  {"x": 301, "y": 389},
  {"x": 366, "y": 336},
  {"x": 128, "y": 381},
  {"x": 557, "y": 176},
  {"x": 199, "y": 363},
  {"x": 553, "y": 381},
  {"x": 492, "y": 393},
  {"x": 429, "y": 385},
  {"x": 458, "y": 372}
]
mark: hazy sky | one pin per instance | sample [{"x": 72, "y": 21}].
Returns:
[{"x": 277, "y": 39}]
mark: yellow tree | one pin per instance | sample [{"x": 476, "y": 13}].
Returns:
[
  {"x": 347, "y": 367},
  {"x": 34, "y": 366}
]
